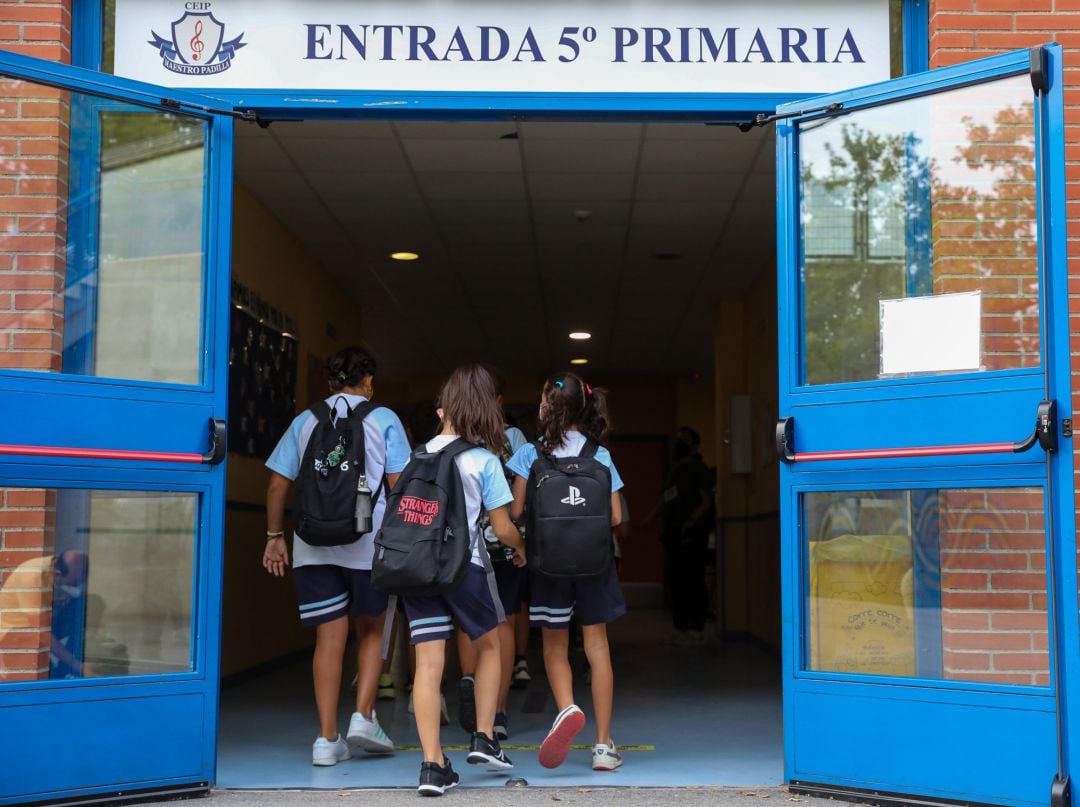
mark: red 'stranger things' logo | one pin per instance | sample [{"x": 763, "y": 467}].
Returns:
[{"x": 414, "y": 510}]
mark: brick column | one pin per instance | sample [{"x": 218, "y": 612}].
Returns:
[{"x": 34, "y": 132}]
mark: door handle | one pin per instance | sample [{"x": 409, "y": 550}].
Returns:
[
  {"x": 213, "y": 455},
  {"x": 216, "y": 452},
  {"x": 1044, "y": 435}
]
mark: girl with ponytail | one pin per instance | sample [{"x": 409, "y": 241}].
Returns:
[{"x": 573, "y": 417}]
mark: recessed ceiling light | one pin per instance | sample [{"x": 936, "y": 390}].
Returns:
[
  {"x": 579, "y": 361},
  {"x": 580, "y": 336},
  {"x": 404, "y": 256}
]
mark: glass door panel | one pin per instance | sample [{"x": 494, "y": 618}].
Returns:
[
  {"x": 920, "y": 215},
  {"x": 934, "y": 583},
  {"x": 104, "y": 246},
  {"x": 97, "y": 583}
]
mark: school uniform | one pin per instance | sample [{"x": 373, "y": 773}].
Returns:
[
  {"x": 553, "y": 603},
  {"x": 335, "y": 581},
  {"x": 471, "y": 605}
]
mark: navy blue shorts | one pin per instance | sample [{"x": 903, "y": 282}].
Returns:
[
  {"x": 469, "y": 605},
  {"x": 511, "y": 582},
  {"x": 327, "y": 593},
  {"x": 593, "y": 601}
]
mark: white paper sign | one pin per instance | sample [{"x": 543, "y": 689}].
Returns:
[
  {"x": 936, "y": 334},
  {"x": 616, "y": 46}
]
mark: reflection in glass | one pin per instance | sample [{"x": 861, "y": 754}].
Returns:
[
  {"x": 95, "y": 583},
  {"x": 930, "y": 196},
  {"x": 943, "y": 584},
  {"x": 101, "y": 243}
]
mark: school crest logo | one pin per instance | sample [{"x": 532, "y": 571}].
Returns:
[{"x": 198, "y": 46}]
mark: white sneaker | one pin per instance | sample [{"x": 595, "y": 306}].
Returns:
[
  {"x": 367, "y": 735},
  {"x": 605, "y": 757},
  {"x": 326, "y": 752}
]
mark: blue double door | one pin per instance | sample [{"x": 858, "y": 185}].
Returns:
[{"x": 929, "y": 564}]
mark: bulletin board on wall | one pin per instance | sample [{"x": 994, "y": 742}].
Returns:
[{"x": 263, "y": 350}]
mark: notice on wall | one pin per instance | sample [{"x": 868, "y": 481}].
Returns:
[
  {"x": 563, "y": 46},
  {"x": 938, "y": 334}
]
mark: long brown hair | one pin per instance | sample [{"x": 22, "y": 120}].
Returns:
[
  {"x": 468, "y": 403},
  {"x": 569, "y": 401}
]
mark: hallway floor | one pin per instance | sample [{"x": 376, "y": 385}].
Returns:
[{"x": 706, "y": 715}]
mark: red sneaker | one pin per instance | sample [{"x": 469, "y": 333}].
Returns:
[{"x": 556, "y": 746}]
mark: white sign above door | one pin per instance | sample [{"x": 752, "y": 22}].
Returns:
[{"x": 547, "y": 46}]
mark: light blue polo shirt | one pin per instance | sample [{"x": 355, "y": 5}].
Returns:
[
  {"x": 522, "y": 461},
  {"x": 386, "y": 451}
]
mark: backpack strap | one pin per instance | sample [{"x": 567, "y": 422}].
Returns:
[
  {"x": 493, "y": 585},
  {"x": 542, "y": 455},
  {"x": 355, "y": 417},
  {"x": 589, "y": 449}
]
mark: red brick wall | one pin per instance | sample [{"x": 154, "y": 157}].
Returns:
[
  {"x": 993, "y": 586},
  {"x": 27, "y": 519},
  {"x": 33, "y": 237}
]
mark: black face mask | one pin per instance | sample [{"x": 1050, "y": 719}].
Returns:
[{"x": 682, "y": 450}]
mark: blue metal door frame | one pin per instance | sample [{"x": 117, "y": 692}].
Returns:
[
  {"x": 88, "y": 412},
  {"x": 908, "y": 712}
]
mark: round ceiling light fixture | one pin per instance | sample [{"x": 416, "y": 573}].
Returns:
[
  {"x": 405, "y": 256},
  {"x": 579, "y": 361},
  {"x": 580, "y": 336}
]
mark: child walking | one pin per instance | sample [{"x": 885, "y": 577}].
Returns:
[
  {"x": 468, "y": 410},
  {"x": 333, "y": 579},
  {"x": 573, "y": 417},
  {"x": 510, "y": 581}
]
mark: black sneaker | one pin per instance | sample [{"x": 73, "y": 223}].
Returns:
[
  {"x": 467, "y": 704},
  {"x": 437, "y": 779},
  {"x": 488, "y": 753},
  {"x": 502, "y": 726}
]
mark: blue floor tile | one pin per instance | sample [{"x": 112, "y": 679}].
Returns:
[{"x": 711, "y": 716}]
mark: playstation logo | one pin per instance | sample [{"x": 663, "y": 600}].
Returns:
[{"x": 574, "y": 498}]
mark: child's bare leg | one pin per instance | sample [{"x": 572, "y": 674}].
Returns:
[
  {"x": 603, "y": 679},
  {"x": 557, "y": 665}
]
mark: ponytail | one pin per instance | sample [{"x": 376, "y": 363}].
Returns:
[{"x": 569, "y": 401}]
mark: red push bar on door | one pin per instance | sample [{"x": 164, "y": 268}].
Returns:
[
  {"x": 214, "y": 454},
  {"x": 1045, "y": 434}
]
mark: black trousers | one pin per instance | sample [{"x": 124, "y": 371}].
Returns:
[{"x": 686, "y": 582}]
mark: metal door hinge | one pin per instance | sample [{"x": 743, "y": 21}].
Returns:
[
  {"x": 1066, "y": 427},
  {"x": 1060, "y": 792},
  {"x": 1040, "y": 69}
]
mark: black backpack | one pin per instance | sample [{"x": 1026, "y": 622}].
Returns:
[
  {"x": 330, "y": 473},
  {"x": 569, "y": 514},
  {"x": 425, "y": 545}
]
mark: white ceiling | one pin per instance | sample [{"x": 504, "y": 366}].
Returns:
[{"x": 506, "y": 270}]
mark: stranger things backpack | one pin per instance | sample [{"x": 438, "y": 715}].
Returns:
[
  {"x": 331, "y": 471},
  {"x": 425, "y": 545},
  {"x": 568, "y": 507}
]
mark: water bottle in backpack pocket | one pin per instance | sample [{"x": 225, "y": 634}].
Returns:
[{"x": 568, "y": 509}]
